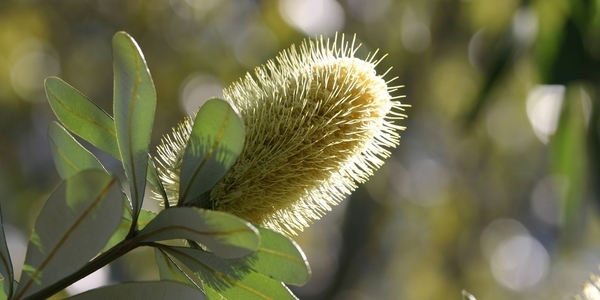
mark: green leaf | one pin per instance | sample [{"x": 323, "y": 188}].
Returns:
[
  {"x": 169, "y": 270},
  {"x": 74, "y": 224},
  {"x": 6, "y": 268},
  {"x": 119, "y": 235},
  {"x": 159, "y": 290},
  {"x": 145, "y": 217},
  {"x": 216, "y": 140},
  {"x": 134, "y": 108},
  {"x": 225, "y": 234},
  {"x": 3, "y": 294},
  {"x": 226, "y": 279},
  {"x": 569, "y": 161},
  {"x": 82, "y": 116},
  {"x": 279, "y": 258},
  {"x": 69, "y": 156},
  {"x": 85, "y": 119}
]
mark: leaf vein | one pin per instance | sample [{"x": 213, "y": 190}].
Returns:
[
  {"x": 212, "y": 149},
  {"x": 67, "y": 234},
  {"x": 82, "y": 116}
]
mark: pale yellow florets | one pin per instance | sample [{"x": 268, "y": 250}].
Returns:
[
  {"x": 317, "y": 122},
  {"x": 591, "y": 290},
  {"x": 170, "y": 151}
]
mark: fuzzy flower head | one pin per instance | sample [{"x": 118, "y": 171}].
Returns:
[{"x": 317, "y": 121}]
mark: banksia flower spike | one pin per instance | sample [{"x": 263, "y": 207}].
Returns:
[{"x": 318, "y": 121}]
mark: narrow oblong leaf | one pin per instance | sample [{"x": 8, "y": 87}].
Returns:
[
  {"x": 569, "y": 160},
  {"x": 279, "y": 258},
  {"x": 6, "y": 268},
  {"x": 169, "y": 270},
  {"x": 216, "y": 140},
  {"x": 159, "y": 290},
  {"x": 134, "y": 108},
  {"x": 82, "y": 116},
  {"x": 225, "y": 234},
  {"x": 226, "y": 279},
  {"x": 69, "y": 156},
  {"x": 85, "y": 119},
  {"x": 72, "y": 227}
]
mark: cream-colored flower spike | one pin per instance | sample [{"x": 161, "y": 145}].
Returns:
[{"x": 318, "y": 121}]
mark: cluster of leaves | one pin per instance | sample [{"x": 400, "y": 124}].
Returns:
[{"x": 90, "y": 221}]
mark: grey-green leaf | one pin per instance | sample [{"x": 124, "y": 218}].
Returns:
[
  {"x": 279, "y": 258},
  {"x": 225, "y": 234},
  {"x": 134, "y": 108},
  {"x": 69, "y": 156},
  {"x": 82, "y": 116},
  {"x": 72, "y": 227},
  {"x": 160, "y": 290},
  {"x": 227, "y": 279},
  {"x": 216, "y": 140},
  {"x": 6, "y": 268}
]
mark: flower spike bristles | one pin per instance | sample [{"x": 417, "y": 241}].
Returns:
[
  {"x": 170, "y": 151},
  {"x": 590, "y": 290},
  {"x": 318, "y": 121}
]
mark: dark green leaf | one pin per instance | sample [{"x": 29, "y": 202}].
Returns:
[
  {"x": 74, "y": 224},
  {"x": 6, "y": 268},
  {"x": 69, "y": 156},
  {"x": 216, "y": 140},
  {"x": 134, "y": 107},
  {"x": 225, "y": 234},
  {"x": 279, "y": 258},
  {"x": 169, "y": 270},
  {"x": 227, "y": 279},
  {"x": 160, "y": 290},
  {"x": 82, "y": 116}
]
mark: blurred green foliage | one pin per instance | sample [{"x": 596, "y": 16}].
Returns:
[{"x": 493, "y": 188}]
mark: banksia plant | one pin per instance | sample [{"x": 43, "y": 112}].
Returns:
[
  {"x": 235, "y": 178},
  {"x": 317, "y": 122}
]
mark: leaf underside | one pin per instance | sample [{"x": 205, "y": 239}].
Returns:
[
  {"x": 86, "y": 205},
  {"x": 216, "y": 140},
  {"x": 224, "y": 234},
  {"x": 134, "y": 108}
]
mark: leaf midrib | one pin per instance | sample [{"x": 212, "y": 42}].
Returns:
[
  {"x": 221, "y": 275},
  {"x": 67, "y": 234},
  {"x": 206, "y": 157}
]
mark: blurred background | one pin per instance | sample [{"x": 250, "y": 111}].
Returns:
[{"x": 494, "y": 188}]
